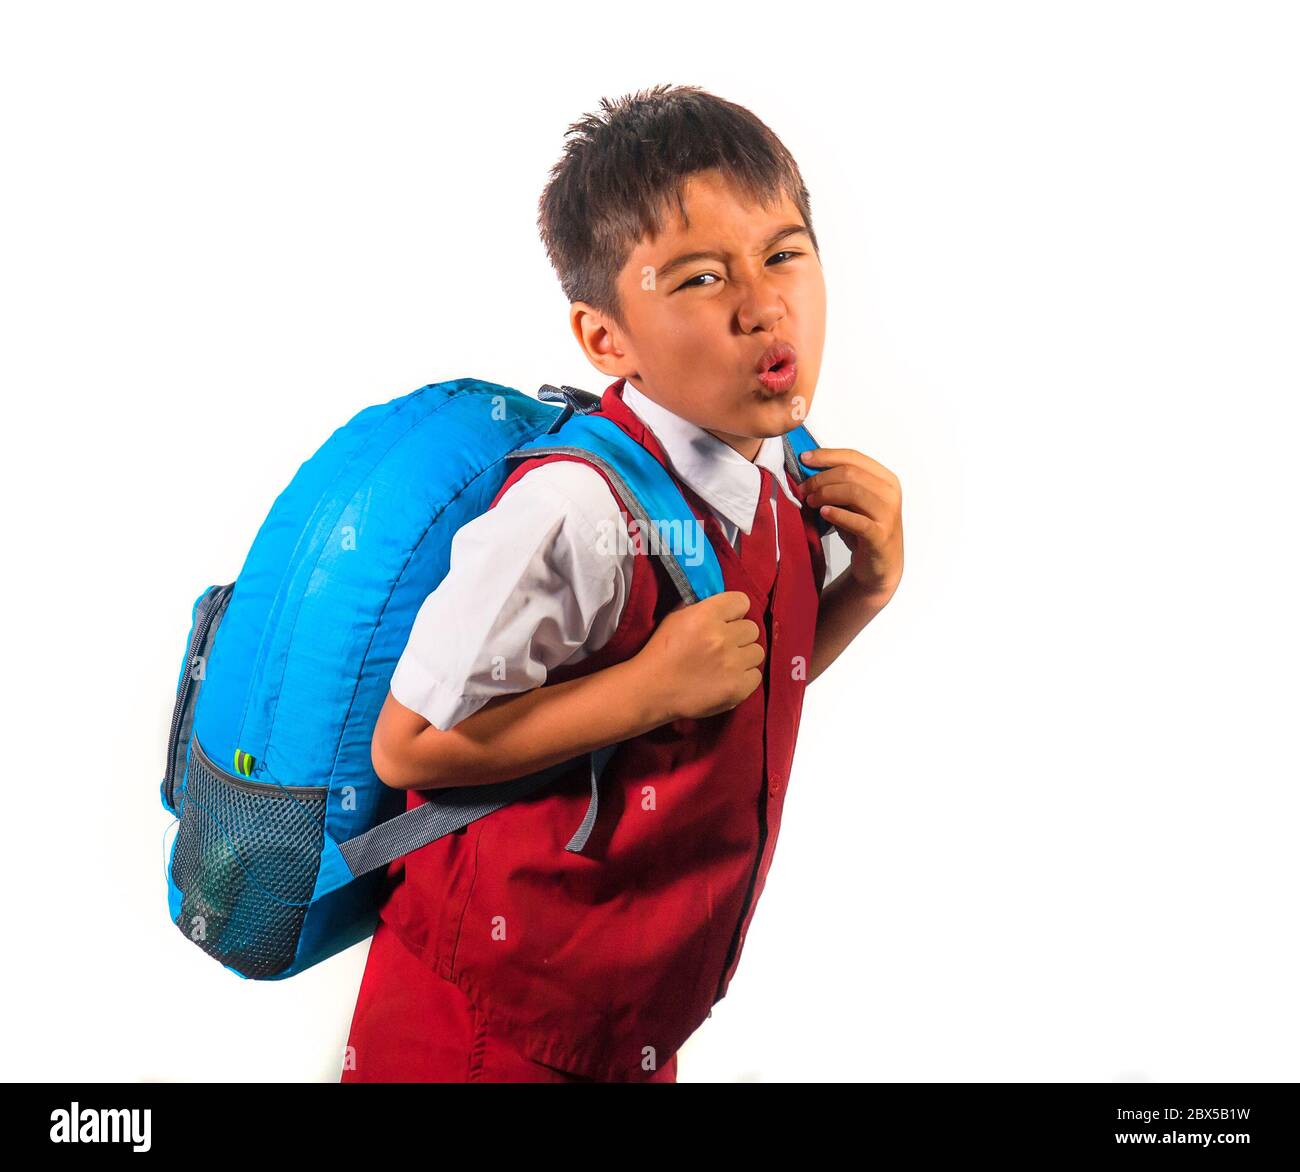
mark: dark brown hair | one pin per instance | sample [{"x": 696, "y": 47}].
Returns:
[{"x": 622, "y": 168}]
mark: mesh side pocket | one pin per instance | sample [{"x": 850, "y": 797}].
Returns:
[{"x": 246, "y": 858}]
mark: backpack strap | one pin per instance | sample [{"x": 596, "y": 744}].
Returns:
[
  {"x": 646, "y": 488},
  {"x": 797, "y": 442},
  {"x": 443, "y": 812}
]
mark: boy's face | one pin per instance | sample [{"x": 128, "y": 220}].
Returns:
[{"x": 697, "y": 329}]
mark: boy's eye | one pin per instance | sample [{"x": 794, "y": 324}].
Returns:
[{"x": 691, "y": 283}]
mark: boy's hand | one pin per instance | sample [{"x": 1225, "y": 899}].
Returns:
[
  {"x": 864, "y": 501},
  {"x": 705, "y": 657}
]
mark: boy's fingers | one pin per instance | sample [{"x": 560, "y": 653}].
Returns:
[
  {"x": 725, "y": 601},
  {"x": 730, "y": 604},
  {"x": 828, "y": 457},
  {"x": 852, "y": 495}
]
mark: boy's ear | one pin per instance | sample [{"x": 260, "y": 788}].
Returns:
[
  {"x": 589, "y": 327},
  {"x": 599, "y": 340}
]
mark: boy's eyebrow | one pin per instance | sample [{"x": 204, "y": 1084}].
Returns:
[{"x": 707, "y": 254}]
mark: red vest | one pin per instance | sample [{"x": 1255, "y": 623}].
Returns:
[{"x": 604, "y": 962}]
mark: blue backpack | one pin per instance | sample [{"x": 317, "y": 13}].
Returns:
[{"x": 284, "y": 829}]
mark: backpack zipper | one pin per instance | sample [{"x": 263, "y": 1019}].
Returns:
[
  {"x": 209, "y": 604},
  {"x": 262, "y": 789}
]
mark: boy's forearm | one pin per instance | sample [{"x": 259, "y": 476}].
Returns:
[
  {"x": 515, "y": 735},
  {"x": 842, "y": 612}
]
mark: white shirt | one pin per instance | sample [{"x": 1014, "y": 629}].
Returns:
[{"x": 530, "y": 586}]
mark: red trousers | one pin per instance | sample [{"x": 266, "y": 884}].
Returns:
[{"x": 413, "y": 1025}]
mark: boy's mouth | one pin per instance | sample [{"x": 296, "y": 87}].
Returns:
[{"x": 777, "y": 368}]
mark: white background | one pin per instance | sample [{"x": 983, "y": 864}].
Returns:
[{"x": 1043, "y": 819}]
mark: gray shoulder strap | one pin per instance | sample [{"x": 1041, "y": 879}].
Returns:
[{"x": 446, "y": 810}]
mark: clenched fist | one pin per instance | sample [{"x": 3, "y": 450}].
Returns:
[{"x": 705, "y": 657}]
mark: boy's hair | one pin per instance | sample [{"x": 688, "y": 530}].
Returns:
[{"x": 619, "y": 173}]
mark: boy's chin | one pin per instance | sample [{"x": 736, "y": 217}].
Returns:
[{"x": 771, "y": 415}]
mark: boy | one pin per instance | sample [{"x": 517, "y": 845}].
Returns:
[{"x": 680, "y": 229}]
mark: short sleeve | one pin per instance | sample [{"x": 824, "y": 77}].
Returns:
[{"x": 532, "y": 583}]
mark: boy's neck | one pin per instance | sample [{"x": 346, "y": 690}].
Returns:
[{"x": 748, "y": 446}]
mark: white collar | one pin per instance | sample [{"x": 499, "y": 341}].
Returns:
[{"x": 723, "y": 478}]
